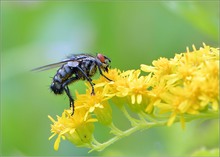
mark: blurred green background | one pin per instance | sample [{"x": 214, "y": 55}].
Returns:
[{"x": 130, "y": 33}]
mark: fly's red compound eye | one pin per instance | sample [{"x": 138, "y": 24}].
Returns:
[{"x": 101, "y": 57}]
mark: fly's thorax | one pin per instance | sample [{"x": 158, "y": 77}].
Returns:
[
  {"x": 89, "y": 67},
  {"x": 93, "y": 69}
]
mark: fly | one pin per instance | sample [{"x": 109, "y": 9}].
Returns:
[{"x": 74, "y": 68}]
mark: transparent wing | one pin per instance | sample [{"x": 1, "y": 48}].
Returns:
[
  {"x": 51, "y": 66},
  {"x": 71, "y": 58}
]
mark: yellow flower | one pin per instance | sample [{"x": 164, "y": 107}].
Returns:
[
  {"x": 132, "y": 88},
  {"x": 175, "y": 88},
  {"x": 74, "y": 128},
  {"x": 192, "y": 84},
  {"x": 97, "y": 104},
  {"x": 138, "y": 90}
]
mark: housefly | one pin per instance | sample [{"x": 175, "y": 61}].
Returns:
[{"x": 76, "y": 67}]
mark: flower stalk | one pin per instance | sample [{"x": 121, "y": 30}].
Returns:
[{"x": 179, "y": 89}]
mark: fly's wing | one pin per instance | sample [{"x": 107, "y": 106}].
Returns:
[
  {"x": 50, "y": 66},
  {"x": 70, "y": 58},
  {"x": 77, "y": 57},
  {"x": 54, "y": 65}
]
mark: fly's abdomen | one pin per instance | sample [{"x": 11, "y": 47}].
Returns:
[
  {"x": 61, "y": 76},
  {"x": 56, "y": 87}
]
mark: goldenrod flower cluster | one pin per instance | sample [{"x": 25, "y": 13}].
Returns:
[{"x": 171, "y": 89}]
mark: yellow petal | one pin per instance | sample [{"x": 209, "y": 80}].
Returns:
[
  {"x": 51, "y": 119},
  {"x": 147, "y": 68},
  {"x": 133, "y": 99},
  {"x": 52, "y": 136},
  {"x": 57, "y": 143},
  {"x": 171, "y": 119},
  {"x": 91, "y": 120},
  {"x": 139, "y": 98}
]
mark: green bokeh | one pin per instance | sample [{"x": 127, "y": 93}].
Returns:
[{"x": 130, "y": 33}]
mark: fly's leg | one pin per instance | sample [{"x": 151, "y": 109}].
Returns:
[
  {"x": 100, "y": 71},
  {"x": 89, "y": 80},
  {"x": 66, "y": 88}
]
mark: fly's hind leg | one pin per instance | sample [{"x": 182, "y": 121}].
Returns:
[{"x": 66, "y": 88}]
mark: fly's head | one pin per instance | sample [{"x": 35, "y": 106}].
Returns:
[{"x": 104, "y": 62}]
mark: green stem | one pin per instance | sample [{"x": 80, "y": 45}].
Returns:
[
  {"x": 114, "y": 139},
  {"x": 133, "y": 121},
  {"x": 115, "y": 130},
  {"x": 142, "y": 125}
]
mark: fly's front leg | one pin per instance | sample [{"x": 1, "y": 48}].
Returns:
[
  {"x": 66, "y": 88},
  {"x": 100, "y": 71}
]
